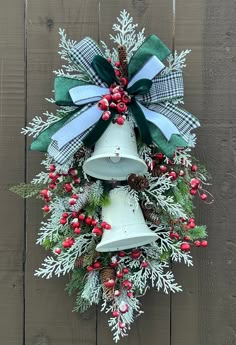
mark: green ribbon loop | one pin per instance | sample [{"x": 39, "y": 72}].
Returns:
[
  {"x": 97, "y": 131},
  {"x": 62, "y": 85},
  {"x": 141, "y": 87},
  {"x": 141, "y": 122},
  {"x": 104, "y": 70},
  {"x": 151, "y": 46}
]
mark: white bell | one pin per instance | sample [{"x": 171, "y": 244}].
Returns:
[
  {"x": 115, "y": 155},
  {"x": 128, "y": 227}
]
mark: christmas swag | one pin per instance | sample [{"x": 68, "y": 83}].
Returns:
[{"x": 120, "y": 179}]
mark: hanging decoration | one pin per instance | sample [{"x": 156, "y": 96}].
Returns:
[{"x": 119, "y": 178}]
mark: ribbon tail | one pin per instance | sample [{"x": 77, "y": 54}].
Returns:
[
  {"x": 160, "y": 121},
  {"x": 141, "y": 122},
  {"x": 43, "y": 140},
  {"x": 77, "y": 126},
  {"x": 87, "y": 94}
]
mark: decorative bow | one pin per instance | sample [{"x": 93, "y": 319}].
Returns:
[{"x": 162, "y": 123}]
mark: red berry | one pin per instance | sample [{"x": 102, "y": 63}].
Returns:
[
  {"x": 117, "y": 293},
  {"x": 117, "y": 73},
  {"x": 113, "y": 105},
  {"x": 121, "y": 325},
  {"x": 108, "y": 97},
  {"x": 125, "y": 270},
  {"x": 194, "y": 183},
  {"x": 130, "y": 294},
  {"x": 75, "y": 224},
  {"x": 52, "y": 168},
  {"x": 115, "y": 313},
  {"x": 103, "y": 104},
  {"x": 124, "y": 82},
  {"x": 67, "y": 187},
  {"x": 73, "y": 172},
  {"x": 46, "y": 208},
  {"x": 193, "y": 191},
  {"x": 181, "y": 173},
  {"x": 76, "y": 180},
  {"x": 116, "y": 96},
  {"x": 122, "y": 254},
  {"x": 103, "y": 225},
  {"x": 57, "y": 251},
  {"x": 74, "y": 214},
  {"x": 120, "y": 120},
  {"x": 81, "y": 216},
  {"x": 97, "y": 231},
  {"x": 52, "y": 186},
  {"x": 97, "y": 264},
  {"x": 119, "y": 274},
  {"x": 194, "y": 168},
  {"x": 191, "y": 225},
  {"x": 45, "y": 193},
  {"x": 204, "y": 243},
  {"x": 163, "y": 168},
  {"x": 106, "y": 115},
  {"x": 144, "y": 264},
  {"x": 108, "y": 227},
  {"x": 173, "y": 175},
  {"x": 185, "y": 247},
  {"x": 197, "y": 243},
  {"x": 117, "y": 63},
  {"x": 109, "y": 283},
  {"x": 186, "y": 238},
  {"x": 109, "y": 59},
  {"x": 65, "y": 215},
  {"x": 72, "y": 201},
  {"x": 159, "y": 156},
  {"x": 191, "y": 220},
  {"x": 88, "y": 220},
  {"x": 203, "y": 197},
  {"x": 77, "y": 231},
  {"x": 126, "y": 284},
  {"x": 135, "y": 254},
  {"x": 121, "y": 107},
  {"x": 94, "y": 222},
  {"x": 63, "y": 221},
  {"x": 89, "y": 268},
  {"x": 126, "y": 99}
]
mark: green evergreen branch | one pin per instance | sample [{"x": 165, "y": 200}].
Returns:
[{"x": 27, "y": 190}]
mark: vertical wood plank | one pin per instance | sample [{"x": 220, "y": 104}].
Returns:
[
  {"x": 205, "y": 311},
  {"x": 156, "y": 17},
  {"x": 49, "y": 317},
  {"x": 12, "y": 109}
]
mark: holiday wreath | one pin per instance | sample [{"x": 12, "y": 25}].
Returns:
[{"x": 120, "y": 179}]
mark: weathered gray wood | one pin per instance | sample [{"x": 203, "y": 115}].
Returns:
[
  {"x": 49, "y": 317},
  {"x": 205, "y": 312},
  {"x": 12, "y": 108},
  {"x": 154, "y": 325}
]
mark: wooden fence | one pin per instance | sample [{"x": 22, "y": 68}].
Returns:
[{"x": 38, "y": 312}]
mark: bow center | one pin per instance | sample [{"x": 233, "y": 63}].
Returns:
[{"x": 116, "y": 101}]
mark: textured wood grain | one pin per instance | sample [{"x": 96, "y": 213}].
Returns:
[
  {"x": 206, "y": 308},
  {"x": 12, "y": 107},
  {"x": 156, "y": 17},
  {"x": 49, "y": 317}
]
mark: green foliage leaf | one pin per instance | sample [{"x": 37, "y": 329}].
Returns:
[
  {"x": 77, "y": 280},
  {"x": 198, "y": 232},
  {"x": 27, "y": 190}
]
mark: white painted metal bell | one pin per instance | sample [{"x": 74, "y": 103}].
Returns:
[
  {"x": 115, "y": 155},
  {"x": 128, "y": 227}
]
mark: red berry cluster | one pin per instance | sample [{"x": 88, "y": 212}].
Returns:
[
  {"x": 117, "y": 99},
  {"x": 195, "y": 185},
  {"x": 178, "y": 232}
]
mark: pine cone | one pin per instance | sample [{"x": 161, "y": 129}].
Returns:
[
  {"x": 79, "y": 262},
  {"x": 137, "y": 182},
  {"x": 123, "y": 61},
  {"x": 80, "y": 153},
  {"x": 106, "y": 274},
  {"x": 151, "y": 216}
]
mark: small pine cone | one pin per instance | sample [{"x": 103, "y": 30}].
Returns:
[
  {"x": 106, "y": 274},
  {"x": 80, "y": 153},
  {"x": 151, "y": 216},
  {"x": 137, "y": 182},
  {"x": 156, "y": 171},
  {"x": 123, "y": 61},
  {"x": 79, "y": 262}
]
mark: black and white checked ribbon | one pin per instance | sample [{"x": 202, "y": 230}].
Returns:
[
  {"x": 184, "y": 121},
  {"x": 83, "y": 54},
  {"x": 164, "y": 88}
]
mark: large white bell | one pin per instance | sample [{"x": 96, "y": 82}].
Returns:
[
  {"x": 115, "y": 155},
  {"x": 128, "y": 227}
]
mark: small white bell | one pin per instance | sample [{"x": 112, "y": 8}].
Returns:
[
  {"x": 115, "y": 155},
  {"x": 128, "y": 227}
]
